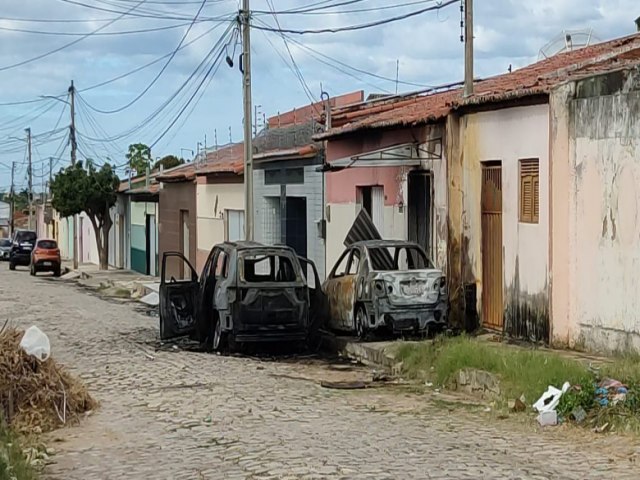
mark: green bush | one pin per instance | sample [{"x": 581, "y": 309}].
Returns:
[{"x": 13, "y": 465}]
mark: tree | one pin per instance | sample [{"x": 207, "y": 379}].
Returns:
[
  {"x": 78, "y": 189},
  {"x": 167, "y": 162},
  {"x": 139, "y": 157}
]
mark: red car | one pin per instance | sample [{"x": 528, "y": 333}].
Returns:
[{"x": 46, "y": 258}]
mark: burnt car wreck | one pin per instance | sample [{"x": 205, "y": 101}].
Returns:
[
  {"x": 385, "y": 285},
  {"x": 247, "y": 293}
]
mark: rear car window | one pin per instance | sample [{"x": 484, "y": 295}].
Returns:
[
  {"x": 259, "y": 268},
  {"x": 47, "y": 244},
  {"x": 26, "y": 237},
  {"x": 5, "y": 242},
  {"x": 398, "y": 259}
]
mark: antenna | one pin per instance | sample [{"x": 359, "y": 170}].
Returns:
[{"x": 568, "y": 41}]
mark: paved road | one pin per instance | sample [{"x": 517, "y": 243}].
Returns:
[{"x": 187, "y": 415}]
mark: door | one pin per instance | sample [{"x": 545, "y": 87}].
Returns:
[
  {"x": 340, "y": 290},
  {"x": 318, "y": 302},
  {"x": 371, "y": 200},
  {"x": 152, "y": 245},
  {"x": 178, "y": 299},
  {"x": 235, "y": 225},
  {"x": 492, "y": 304},
  {"x": 184, "y": 238},
  {"x": 296, "y": 224},
  {"x": 419, "y": 211}
]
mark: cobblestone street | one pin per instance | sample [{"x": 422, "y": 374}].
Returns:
[{"x": 187, "y": 415}]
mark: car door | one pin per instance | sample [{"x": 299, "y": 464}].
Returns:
[
  {"x": 178, "y": 299},
  {"x": 318, "y": 301},
  {"x": 340, "y": 290}
]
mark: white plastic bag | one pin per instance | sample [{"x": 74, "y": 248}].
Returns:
[
  {"x": 36, "y": 343},
  {"x": 551, "y": 398}
]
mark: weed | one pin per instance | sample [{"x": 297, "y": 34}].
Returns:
[{"x": 13, "y": 464}]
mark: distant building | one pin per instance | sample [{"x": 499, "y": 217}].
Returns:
[{"x": 5, "y": 219}]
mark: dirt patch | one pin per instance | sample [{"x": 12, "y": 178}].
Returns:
[{"x": 37, "y": 396}]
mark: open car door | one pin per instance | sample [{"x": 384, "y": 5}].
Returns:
[
  {"x": 318, "y": 301},
  {"x": 178, "y": 297}
]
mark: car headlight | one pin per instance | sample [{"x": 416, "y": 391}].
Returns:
[{"x": 380, "y": 288}]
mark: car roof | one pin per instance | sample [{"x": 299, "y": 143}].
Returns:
[
  {"x": 47, "y": 240},
  {"x": 385, "y": 243},
  {"x": 250, "y": 245}
]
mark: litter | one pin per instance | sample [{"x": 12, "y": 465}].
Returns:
[
  {"x": 548, "y": 418},
  {"x": 551, "y": 398},
  {"x": 579, "y": 414},
  {"x": 36, "y": 343}
]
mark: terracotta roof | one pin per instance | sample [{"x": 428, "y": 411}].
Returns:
[
  {"x": 536, "y": 79},
  {"x": 304, "y": 114},
  {"x": 227, "y": 159},
  {"x": 297, "y": 152}
]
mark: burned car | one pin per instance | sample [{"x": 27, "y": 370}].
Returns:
[
  {"x": 247, "y": 292},
  {"x": 386, "y": 284}
]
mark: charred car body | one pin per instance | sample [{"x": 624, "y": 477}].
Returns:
[
  {"x": 386, "y": 284},
  {"x": 246, "y": 293}
]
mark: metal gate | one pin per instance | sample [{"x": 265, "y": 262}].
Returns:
[{"x": 492, "y": 306}]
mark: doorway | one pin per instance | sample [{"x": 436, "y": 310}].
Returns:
[
  {"x": 371, "y": 200},
  {"x": 419, "y": 209},
  {"x": 491, "y": 207},
  {"x": 152, "y": 245},
  {"x": 296, "y": 224}
]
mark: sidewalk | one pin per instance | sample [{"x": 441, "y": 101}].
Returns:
[{"x": 115, "y": 282}]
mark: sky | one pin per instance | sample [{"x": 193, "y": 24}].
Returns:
[{"x": 146, "y": 72}]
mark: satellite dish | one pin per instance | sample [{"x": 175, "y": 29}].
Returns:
[{"x": 568, "y": 41}]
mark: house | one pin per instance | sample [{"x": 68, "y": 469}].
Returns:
[
  {"x": 478, "y": 174},
  {"x": 5, "y": 219}
]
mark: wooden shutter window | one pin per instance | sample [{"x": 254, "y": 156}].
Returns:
[{"x": 529, "y": 191}]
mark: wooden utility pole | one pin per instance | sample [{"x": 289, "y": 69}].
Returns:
[
  {"x": 30, "y": 173},
  {"x": 13, "y": 195},
  {"x": 74, "y": 146},
  {"x": 245, "y": 15},
  {"x": 468, "y": 48}
]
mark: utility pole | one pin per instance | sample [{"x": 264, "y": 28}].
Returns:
[
  {"x": 13, "y": 195},
  {"x": 50, "y": 176},
  {"x": 74, "y": 146},
  {"x": 468, "y": 48},
  {"x": 245, "y": 15},
  {"x": 30, "y": 173}
]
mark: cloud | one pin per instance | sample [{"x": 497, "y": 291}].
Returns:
[{"x": 427, "y": 48}]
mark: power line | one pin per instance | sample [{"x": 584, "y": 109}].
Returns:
[
  {"x": 361, "y": 26},
  {"x": 323, "y": 10},
  {"x": 80, "y": 34},
  {"x": 162, "y": 70},
  {"x": 70, "y": 44}
]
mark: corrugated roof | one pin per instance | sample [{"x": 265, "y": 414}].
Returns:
[{"x": 536, "y": 79}]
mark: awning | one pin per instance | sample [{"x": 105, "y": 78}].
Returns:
[{"x": 404, "y": 155}]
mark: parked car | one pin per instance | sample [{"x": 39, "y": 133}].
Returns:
[
  {"x": 247, "y": 292},
  {"x": 46, "y": 258},
  {"x": 5, "y": 248},
  {"x": 22, "y": 245},
  {"x": 386, "y": 284}
]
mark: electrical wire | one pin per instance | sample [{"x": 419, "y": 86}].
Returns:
[
  {"x": 162, "y": 70},
  {"x": 362, "y": 26},
  {"x": 323, "y": 10},
  {"x": 70, "y": 44},
  {"x": 80, "y": 34}
]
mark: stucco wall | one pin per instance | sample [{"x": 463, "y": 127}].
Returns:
[
  {"x": 509, "y": 135},
  {"x": 212, "y": 199},
  {"x": 596, "y": 213},
  {"x": 341, "y": 188},
  {"x": 175, "y": 197}
]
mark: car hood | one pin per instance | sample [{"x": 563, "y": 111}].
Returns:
[{"x": 413, "y": 286}]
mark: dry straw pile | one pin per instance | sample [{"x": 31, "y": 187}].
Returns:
[{"x": 37, "y": 396}]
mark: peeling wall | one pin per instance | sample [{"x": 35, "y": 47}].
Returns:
[
  {"x": 340, "y": 187},
  {"x": 507, "y": 135},
  {"x": 596, "y": 256}
]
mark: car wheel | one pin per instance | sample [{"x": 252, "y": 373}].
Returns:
[
  {"x": 361, "y": 323},
  {"x": 12, "y": 266},
  {"x": 32, "y": 271},
  {"x": 57, "y": 272}
]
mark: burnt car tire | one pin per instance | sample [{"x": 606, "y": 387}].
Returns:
[
  {"x": 219, "y": 339},
  {"x": 361, "y": 323}
]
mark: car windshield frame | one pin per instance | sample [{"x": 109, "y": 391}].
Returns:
[
  {"x": 376, "y": 252},
  {"x": 39, "y": 244},
  {"x": 259, "y": 252}
]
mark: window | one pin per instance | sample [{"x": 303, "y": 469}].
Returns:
[
  {"x": 47, "y": 244},
  {"x": 222, "y": 265},
  {"x": 257, "y": 268},
  {"x": 341, "y": 267},
  {"x": 284, "y": 176},
  {"x": 354, "y": 263},
  {"x": 529, "y": 190},
  {"x": 401, "y": 258}
]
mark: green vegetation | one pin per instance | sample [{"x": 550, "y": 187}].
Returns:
[
  {"x": 529, "y": 373},
  {"x": 13, "y": 464}
]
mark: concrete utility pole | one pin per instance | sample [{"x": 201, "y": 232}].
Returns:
[
  {"x": 13, "y": 195},
  {"x": 50, "y": 176},
  {"x": 468, "y": 48},
  {"x": 248, "y": 147},
  {"x": 30, "y": 173},
  {"x": 74, "y": 146}
]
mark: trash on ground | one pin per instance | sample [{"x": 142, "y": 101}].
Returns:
[
  {"x": 37, "y": 396},
  {"x": 343, "y": 385},
  {"x": 578, "y": 414},
  {"x": 610, "y": 391},
  {"x": 548, "y": 418},
  {"x": 551, "y": 398},
  {"x": 519, "y": 405},
  {"x": 36, "y": 343}
]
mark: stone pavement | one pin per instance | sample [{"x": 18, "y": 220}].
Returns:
[{"x": 173, "y": 414}]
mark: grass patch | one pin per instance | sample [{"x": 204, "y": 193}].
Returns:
[
  {"x": 527, "y": 372},
  {"x": 122, "y": 293},
  {"x": 13, "y": 464}
]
